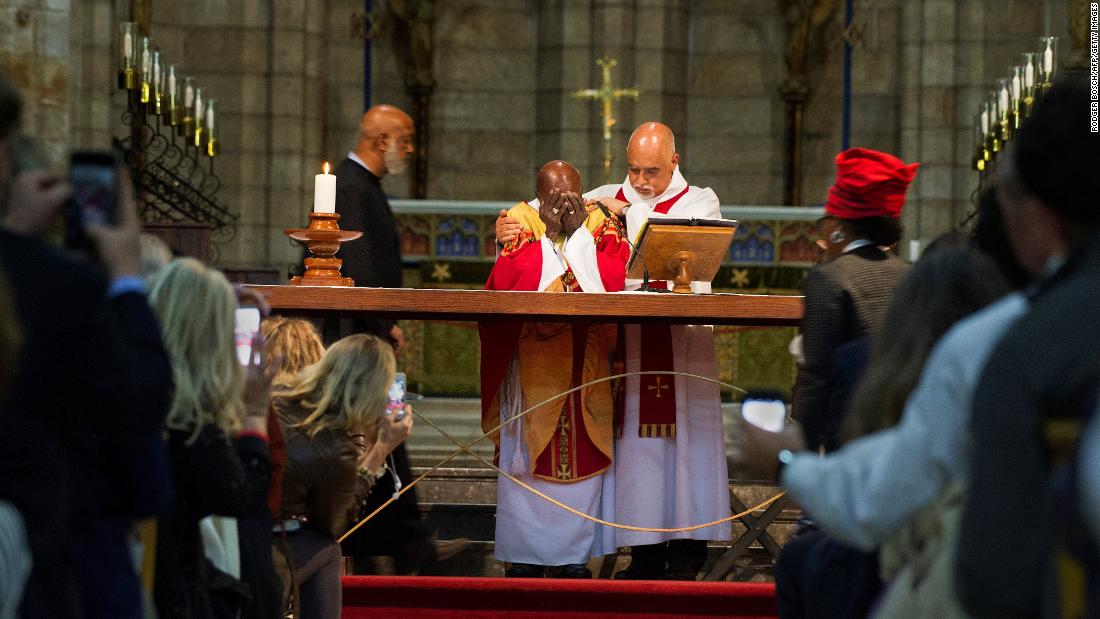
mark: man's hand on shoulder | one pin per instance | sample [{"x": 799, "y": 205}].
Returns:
[
  {"x": 612, "y": 204},
  {"x": 508, "y": 228}
]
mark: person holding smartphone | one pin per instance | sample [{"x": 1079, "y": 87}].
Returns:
[
  {"x": 339, "y": 434},
  {"x": 88, "y": 398},
  {"x": 217, "y": 439}
]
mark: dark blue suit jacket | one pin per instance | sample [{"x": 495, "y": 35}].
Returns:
[{"x": 81, "y": 453}]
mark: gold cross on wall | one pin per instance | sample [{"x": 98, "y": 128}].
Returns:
[
  {"x": 607, "y": 95},
  {"x": 657, "y": 386}
]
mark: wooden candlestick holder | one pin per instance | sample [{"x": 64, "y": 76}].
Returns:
[{"x": 323, "y": 238}]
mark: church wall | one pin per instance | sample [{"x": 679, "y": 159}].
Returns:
[
  {"x": 35, "y": 54},
  {"x": 288, "y": 76},
  {"x": 952, "y": 53},
  {"x": 483, "y": 113},
  {"x": 734, "y": 133},
  {"x": 482, "y": 119}
]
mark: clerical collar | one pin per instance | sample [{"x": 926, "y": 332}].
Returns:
[
  {"x": 856, "y": 244},
  {"x": 356, "y": 159}
]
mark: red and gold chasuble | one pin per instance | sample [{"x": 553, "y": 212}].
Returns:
[
  {"x": 657, "y": 396},
  {"x": 570, "y": 438}
]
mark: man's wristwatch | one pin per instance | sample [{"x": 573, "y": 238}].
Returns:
[{"x": 785, "y": 457}]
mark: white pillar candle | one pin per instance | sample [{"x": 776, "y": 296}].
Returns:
[
  {"x": 985, "y": 120},
  {"x": 914, "y": 250},
  {"x": 1029, "y": 74},
  {"x": 1015, "y": 84},
  {"x": 1048, "y": 60},
  {"x": 324, "y": 191}
]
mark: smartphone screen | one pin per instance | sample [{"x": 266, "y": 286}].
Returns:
[
  {"x": 395, "y": 397},
  {"x": 765, "y": 411},
  {"x": 248, "y": 323},
  {"x": 93, "y": 176}
]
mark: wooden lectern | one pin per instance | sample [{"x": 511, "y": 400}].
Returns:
[{"x": 681, "y": 250}]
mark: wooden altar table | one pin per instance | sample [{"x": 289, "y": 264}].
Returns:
[{"x": 474, "y": 305}]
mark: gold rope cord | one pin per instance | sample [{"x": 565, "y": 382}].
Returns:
[{"x": 465, "y": 448}]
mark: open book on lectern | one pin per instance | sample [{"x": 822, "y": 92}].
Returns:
[{"x": 681, "y": 250}]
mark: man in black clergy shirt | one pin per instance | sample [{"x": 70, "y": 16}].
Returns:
[{"x": 383, "y": 147}]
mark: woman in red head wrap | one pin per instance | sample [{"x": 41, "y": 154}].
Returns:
[
  {"x": 847, "y": 295},
  {"x": 865, "y": 201}
]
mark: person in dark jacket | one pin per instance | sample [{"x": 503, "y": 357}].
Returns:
[
  {"x": 216, "y": 437},
  {"x": 383, "y": 147},
  {"x": 1016, "y": 520},
  {"x": 846, "y": 297},
  {"x": 339, "y": 434},
  {"x": 87, "y": 400}
]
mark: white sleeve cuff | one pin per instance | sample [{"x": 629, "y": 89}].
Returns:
[
  {"x": 552, "y": 267},
  {"x": 580, "y": 251}
]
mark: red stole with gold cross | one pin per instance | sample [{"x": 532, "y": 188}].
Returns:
[
  {"x": 571, "y": 454},
  {"x": 657, "y": 396}
]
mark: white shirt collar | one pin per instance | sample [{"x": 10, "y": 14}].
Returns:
[
  {"x": 854, "y": 245},
  {"x": 356, "y": 159}
]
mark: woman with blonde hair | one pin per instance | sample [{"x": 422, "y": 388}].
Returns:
[
  {"x": 338, "y": 436},
  {"x": 292, "y": 344},
  {"x": 217, "y": 444}
]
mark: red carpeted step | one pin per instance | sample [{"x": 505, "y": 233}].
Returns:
[{"x": 446, "y": 596}]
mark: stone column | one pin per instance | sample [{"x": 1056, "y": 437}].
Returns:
[
  {"x": 649, "y": 38},
  {"x": 734, "y": 137},
  {"x": 35, "y": 56}
]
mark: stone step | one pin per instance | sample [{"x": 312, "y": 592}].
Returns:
[
  {"x": 461, "y": 502},
  {"x": 461, "y": 418},
  {"x": 459, "y": 498},
  {"x": 477, "y": 560}
]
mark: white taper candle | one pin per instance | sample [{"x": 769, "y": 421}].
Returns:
[{"x": 324, "y": 191}]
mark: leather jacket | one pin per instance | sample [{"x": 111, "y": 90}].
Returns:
[{"x": 321, "y": 486}]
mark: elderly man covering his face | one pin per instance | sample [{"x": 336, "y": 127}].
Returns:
[{"x": 564, "y": 448}]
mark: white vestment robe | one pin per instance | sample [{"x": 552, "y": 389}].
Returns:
[{"x": 679, "y": 481}]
